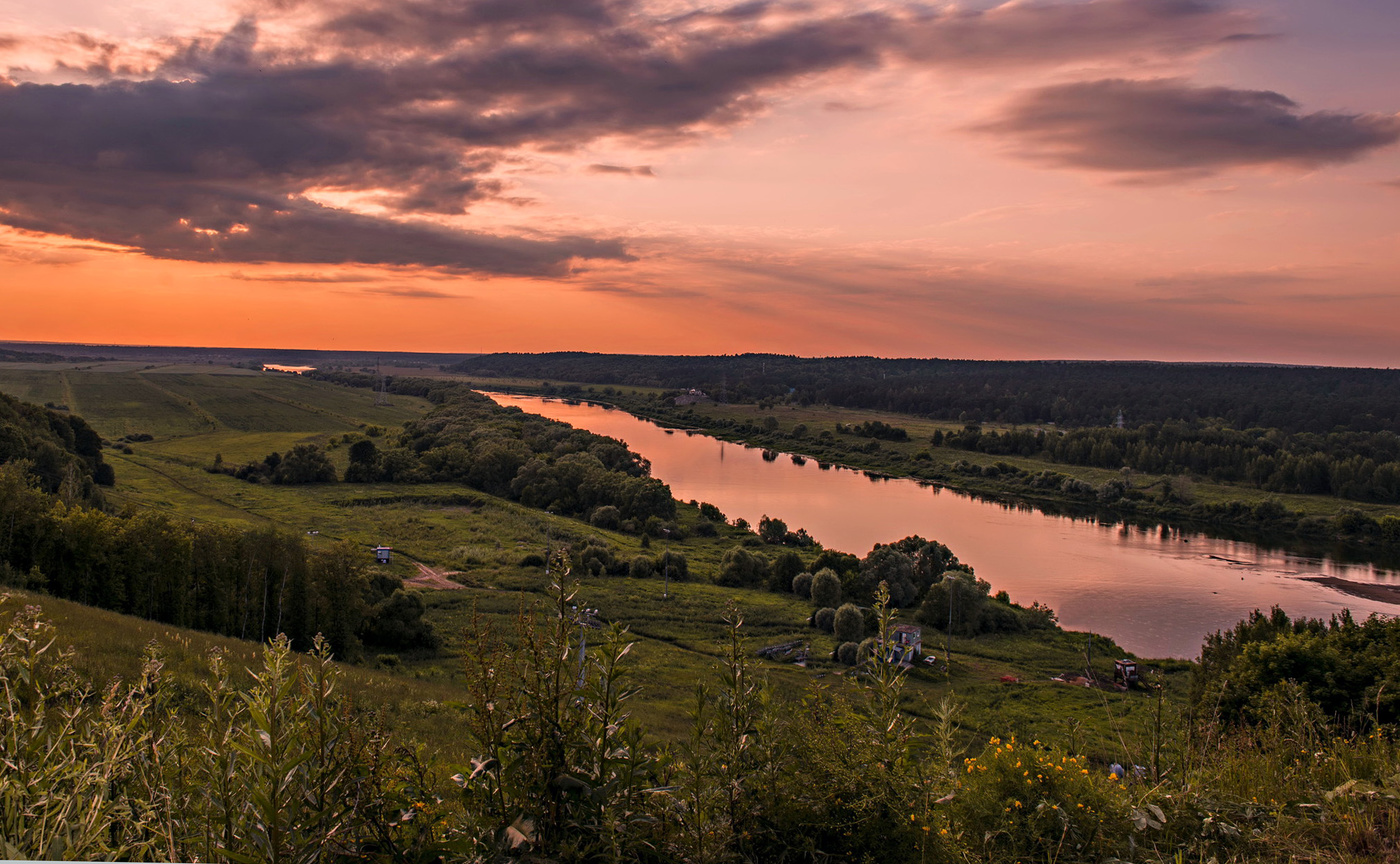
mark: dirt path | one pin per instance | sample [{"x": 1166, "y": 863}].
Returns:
[
  {"x": 435, "y": 580},
  {"x": 1369, "y": 590}
]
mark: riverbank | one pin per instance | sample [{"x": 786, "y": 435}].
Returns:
[{"x": 1310, "y": 525}]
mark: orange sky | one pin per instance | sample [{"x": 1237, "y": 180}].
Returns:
[{"x": 1089, "y": 178}]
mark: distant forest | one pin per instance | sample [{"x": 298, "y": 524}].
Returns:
[{"x": 1067, "y": 393}]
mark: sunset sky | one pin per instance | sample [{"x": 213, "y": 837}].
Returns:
[{"x": 1158, "y": 179}]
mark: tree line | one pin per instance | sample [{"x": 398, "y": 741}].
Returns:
[
  {"x": 1066, "y": 393},
  {"x": 63, "y": 451},
  {"x": 503, "y": 451},
  {"x": 1359, "y": 466},
  {"x": 250, "y": 583}
]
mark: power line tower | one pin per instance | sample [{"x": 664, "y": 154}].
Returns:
[{"x": 381, "y": 390}]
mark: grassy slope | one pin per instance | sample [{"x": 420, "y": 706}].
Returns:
[{"x": 244, "y": 415}]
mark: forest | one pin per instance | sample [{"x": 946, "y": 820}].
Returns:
[
  {"x": 1065, "y": 393},
  {"x": 1359, "y": 466}
]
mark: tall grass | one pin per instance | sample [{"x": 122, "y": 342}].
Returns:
[{"x": 277, "y": 765}]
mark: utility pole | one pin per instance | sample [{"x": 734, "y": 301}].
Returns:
[{"x": 666, "y": 556}]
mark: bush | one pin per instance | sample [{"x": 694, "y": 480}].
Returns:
[
  {"x": 706, "y": 529},
  {"x": 786, "y": 566},
  {"x": 848, "y": 653},
  {"x": 849, "y": 624},
  {"x": 802, "y": 585},
  {"x": 824, "y": 619},
  {"x": 534, "y": 559},
  {"x": 595, "y": 558},
  {"x": 679, "y": 568},
  {"x": 1025, "y": 803},
  {"x": 740, "y": 568},
  {"x": 826, "y": 588},
  {"x": 607, "y": 517},
  {"x": 642, "y": 567},
  {"x": 867, "y": 649}
]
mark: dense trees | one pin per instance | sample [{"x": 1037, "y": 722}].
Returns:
[
  {"x": 1349, "y": 670},
  {"x": 249, "y": 583},
  {"x": 1066, "y": 393},
  {"x": 1362, "y": 466},
  {"x": 504, "y": 451},
  {"x": 63, "y": 451}
]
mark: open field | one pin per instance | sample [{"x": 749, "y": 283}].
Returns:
[{"x": 242, "y": 416}]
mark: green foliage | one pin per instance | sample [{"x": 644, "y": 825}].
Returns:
[
  {"x": 825, "y": 588},
  {"x": 802, "y": 585},
  {"x": 785, "y": 568},
  {"x": 607, "y": 517},
  {"x": 61, "y": 451},
  {"x": 849, "y": 624},
  {"x": 847, "y": 653},
  {"x": 824, "y": 619},
  {"x": 273, "y": 772},
  {"x": 250, "y": 583},
  {"x": 673, "y": 565},
  {"x": 1349, "y": 671},
  {"x": 279, "y": 766},
  {"x": 1020, "y": 802},
  {"x": 642, "y": 567},
  {"x": 304, "y": 463},
  {"x": 596, "y": 558},
  {"x": 740, "y": 568}
]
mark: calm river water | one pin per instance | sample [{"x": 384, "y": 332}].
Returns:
[{"x": 1155, "y": 595}]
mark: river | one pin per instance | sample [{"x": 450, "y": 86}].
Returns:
[{"x": 1155, "y": 593}]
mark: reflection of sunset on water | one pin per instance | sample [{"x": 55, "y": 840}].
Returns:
[{"x": 1154, "y": 594}]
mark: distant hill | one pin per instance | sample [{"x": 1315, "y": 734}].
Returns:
[{"x": 60, "y": 445}]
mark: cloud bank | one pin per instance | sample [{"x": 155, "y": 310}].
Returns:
[
  {"x": 220, "y": 151},
  {"x": 1169, "y": 127}
]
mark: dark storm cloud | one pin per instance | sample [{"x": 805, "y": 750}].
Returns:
[
  {"x": 414, "y": 104},
  {"x": 196, "y": 222},
  {"x": 1171, "y": 128}
]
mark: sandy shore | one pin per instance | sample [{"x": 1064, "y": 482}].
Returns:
[{"x": 1369, "y": 590}]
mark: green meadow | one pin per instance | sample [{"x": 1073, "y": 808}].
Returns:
[{"x": 196, "y": 416}]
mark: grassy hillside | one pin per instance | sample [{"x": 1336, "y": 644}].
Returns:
[{"x": 242, "y": 415}]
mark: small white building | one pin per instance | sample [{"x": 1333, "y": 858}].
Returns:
[{"x": 382, "y": 554}]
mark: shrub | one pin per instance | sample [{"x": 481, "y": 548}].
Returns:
[
  {"x": 867, "y": 649},
  {"x": 824, "y": 619},
  {"x": 826, "y": 588},
  {"x": 1037, "y": 803},
  {"x": 848, "y": 653},
  {"x": 595, "y": 558},
  {"x": 679, "y": 568},
  {"x": 642, "y": 567},
  {"x": 607, "y": 517},
  {"x": 786, "y": 566},
  {"x": 740, "y": 568},
  {"x": 802, "y": 585},
  {"x": 849, "y": 625},
  {"x": 534, "y": 559}
]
